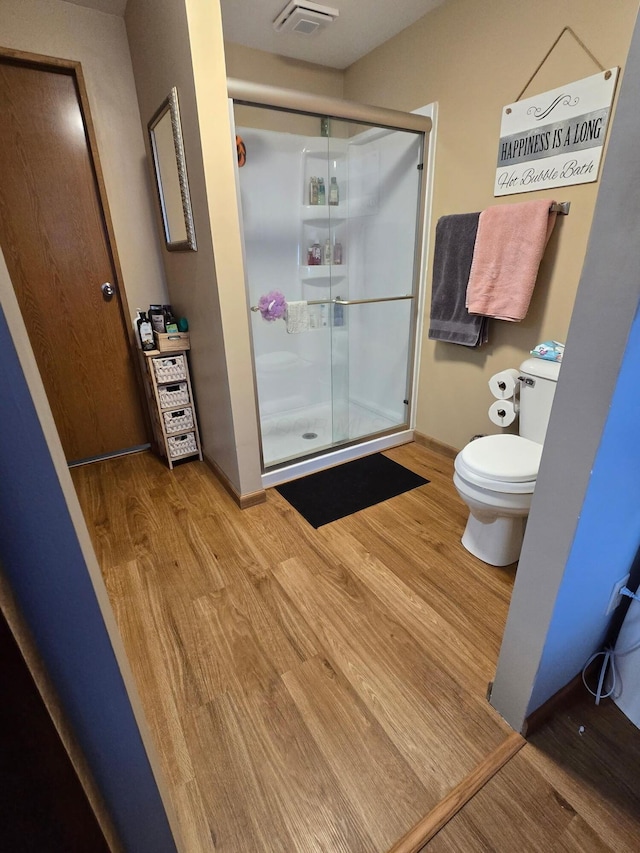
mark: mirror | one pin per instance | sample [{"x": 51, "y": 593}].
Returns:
[{"x": 167, "y": 149}]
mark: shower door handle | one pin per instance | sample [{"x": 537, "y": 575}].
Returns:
[{"x": 339, "y": 301}]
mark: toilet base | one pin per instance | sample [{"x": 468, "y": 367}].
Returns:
[{"x": 497, "y": 541}]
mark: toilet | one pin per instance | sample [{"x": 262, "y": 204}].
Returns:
[{"x": 495, "y": 475}]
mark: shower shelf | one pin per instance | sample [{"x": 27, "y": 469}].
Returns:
[
  {"x": 324, "y": 272},
  {"x": 322, "y": 215}
]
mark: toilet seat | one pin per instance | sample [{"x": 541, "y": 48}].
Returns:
[{"x": 500, "y": 463}]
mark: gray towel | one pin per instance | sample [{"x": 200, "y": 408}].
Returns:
[{"x": 450, "y": 320}]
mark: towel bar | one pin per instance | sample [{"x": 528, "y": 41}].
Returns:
[{"x": 560, "y": 207}]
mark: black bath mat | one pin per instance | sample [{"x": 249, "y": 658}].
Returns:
[{"x": 345, "y": 489}]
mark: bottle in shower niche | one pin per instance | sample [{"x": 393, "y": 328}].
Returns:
[
  {"x": 322, "y": 193},
  {"x": 327, "y": 254},
  {"x": 315, "y": 254},
  {"x": 337, "y": 253},
  {"x": 313, "y": 191},
  {"x": 334, "y": 192}
]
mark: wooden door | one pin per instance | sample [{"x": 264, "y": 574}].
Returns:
[{"x": 54, "y": 236}]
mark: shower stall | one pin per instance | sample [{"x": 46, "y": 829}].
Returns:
[{"x": 332, "y": 210}]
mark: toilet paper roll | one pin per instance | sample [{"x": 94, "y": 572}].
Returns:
[
  {"x": 503, "y": 412},
  {"x": 505, "y": 384}
]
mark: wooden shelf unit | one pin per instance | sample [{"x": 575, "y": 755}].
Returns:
[{"x": 171, "y": 404}]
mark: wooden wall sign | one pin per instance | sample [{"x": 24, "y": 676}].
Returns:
[{"x": 555, "y": 139}]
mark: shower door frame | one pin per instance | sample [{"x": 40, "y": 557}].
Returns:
[{"x": 250, "y": 94}]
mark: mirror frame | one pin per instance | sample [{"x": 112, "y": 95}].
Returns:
[{"x": 170, "y": 106}]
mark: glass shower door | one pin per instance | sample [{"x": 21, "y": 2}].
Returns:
[
  {"x": 330, "y": 226},
  {"x": 378, "y": 173}
]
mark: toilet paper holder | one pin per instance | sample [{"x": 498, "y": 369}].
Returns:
[
  {"x": 505, "y": 384},
  {"x": 502, "y": 413},
  {"x": 526, "y": 380}
]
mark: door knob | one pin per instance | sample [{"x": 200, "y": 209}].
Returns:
[{"x": 107, "y": 290}]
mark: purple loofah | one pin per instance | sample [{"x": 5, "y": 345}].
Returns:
[{"x": 272, "y": 306}]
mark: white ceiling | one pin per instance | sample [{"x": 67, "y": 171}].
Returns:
[{"x": 361, "y": 26}]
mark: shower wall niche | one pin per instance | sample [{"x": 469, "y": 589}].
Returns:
[{"x": 347, "y": 377}]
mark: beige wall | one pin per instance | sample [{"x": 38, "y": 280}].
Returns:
[
  {"x": 473, "y": 58},
  {"x": 99, "y": 42},
  {"x": 256, "y": 66},
  {"x": 179, "y": 43},
  {"x": 246, "y": 63}
]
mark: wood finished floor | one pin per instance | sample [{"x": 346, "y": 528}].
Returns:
[
  {"x": 574, "y": 787},
  {"x": 321, "y": 690},
  {"x": 308, "y": 690}
]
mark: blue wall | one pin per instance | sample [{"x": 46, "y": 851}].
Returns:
[
  {"x": 42, "y": 560},
  {"x": 606, "y": 538}
]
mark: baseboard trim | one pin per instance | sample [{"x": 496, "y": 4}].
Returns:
[
  {"x": 553, "y": 705},
  {"x": 253, "y": 499},
  {"x": 243, "y": 501},
  {"x": 459, "y": 796},
  {"x": 435, "y": 445}
]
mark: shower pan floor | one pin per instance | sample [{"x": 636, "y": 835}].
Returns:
[{"x": 289, "y": 435}]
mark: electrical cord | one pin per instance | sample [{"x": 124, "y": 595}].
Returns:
[
  {"x": 609, "y": 658},
  {"x": 609, "y": 655}
]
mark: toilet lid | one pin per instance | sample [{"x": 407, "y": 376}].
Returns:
[{"x": 508, "y": 458}]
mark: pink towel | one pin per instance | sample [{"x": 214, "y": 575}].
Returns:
[{"x": 509, "y": 246}]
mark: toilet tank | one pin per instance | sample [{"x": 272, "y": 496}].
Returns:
[{"x": 537, "y": 389}]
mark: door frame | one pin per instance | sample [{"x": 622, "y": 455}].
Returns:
[{"x": 51, "y": 63}]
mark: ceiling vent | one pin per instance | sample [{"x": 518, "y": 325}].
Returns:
[{"x": 304, "y": 18}]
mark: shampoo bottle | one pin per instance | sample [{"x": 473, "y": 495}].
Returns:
[
  {"x": 322, "y": 193},
  {"x": 327, "y": 254},
  {"x": 156, "y": 316},
  {"x": 170, "y": 323},
  {"x": 334, "y": 193}
]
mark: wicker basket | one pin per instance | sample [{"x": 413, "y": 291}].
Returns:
[
  {"x": 182, "y": 445},
  {"x": 170, "y": 368},
  {"x": 179, "y": 420},
  {"x": 173, "y": 395}
]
